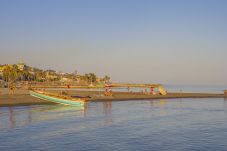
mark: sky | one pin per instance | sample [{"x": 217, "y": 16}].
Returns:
[{"x": 136, "y": 41}]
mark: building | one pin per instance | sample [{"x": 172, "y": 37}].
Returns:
[
  {"x": 1, "y": 70},
  {"x": 51, "y": 75},
  {"x": 21, "y": 65},
  {"x": 66, "y": 80}
]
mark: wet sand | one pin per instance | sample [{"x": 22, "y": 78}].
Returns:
[{"x": 22, "y": 97}]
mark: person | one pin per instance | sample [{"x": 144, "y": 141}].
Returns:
[
  {"x": 145, "y": 91},
  {"x": 108, "y": 92},
  {"x": 11, "y": 90},
  {"x": 5, "y": 85},
  {"x": 128, "y": 88},
  {"x": 151, "y": 90}
]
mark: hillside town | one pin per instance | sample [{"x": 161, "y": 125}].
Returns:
[{"x": 21, "y": 74}]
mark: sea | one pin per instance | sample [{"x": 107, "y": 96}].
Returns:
[{"x": 141, "y": 125}]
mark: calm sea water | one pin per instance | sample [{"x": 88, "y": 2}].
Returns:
[{"x": 176, "y": 124}]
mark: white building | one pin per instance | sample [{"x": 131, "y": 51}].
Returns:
[{"x": 21, "y": 65}]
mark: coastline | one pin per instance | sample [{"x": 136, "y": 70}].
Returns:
[{"x": 23, "y": 98}]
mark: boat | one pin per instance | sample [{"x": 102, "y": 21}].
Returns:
[{"x": 61, "y": 99}]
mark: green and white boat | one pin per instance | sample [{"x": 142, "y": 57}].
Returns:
[{"x": 58, "y": 98}]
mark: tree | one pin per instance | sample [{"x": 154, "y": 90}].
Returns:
[
  {"x": 26, "y": 75},
  {"x": 39, "y": 75},
  {"x": 93, "y": 77},
  {"x": 106, "y": 78},
  {"x": 90, "y": 77},
  {"x": 10, "y": 73}
]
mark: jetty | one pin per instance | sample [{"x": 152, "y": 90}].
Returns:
[{"x": 22, "y": 96}]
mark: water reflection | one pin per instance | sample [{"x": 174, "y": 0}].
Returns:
[
  {"x": 19, "y": 116},
  {"x": 54, "y": 108},
  {"x": 190, "y": 124},
  {"x": 29, "y": 114},
  {"x": 158, "y": 103},
  {"x": 12, "y": 119},
  {"x": 225, "y": 99},
  {"x": 107, "y": 109}
]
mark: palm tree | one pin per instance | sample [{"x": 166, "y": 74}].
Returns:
[
  {"x": 10, "y": 73},
  {"x": 106, "y": 78},
  {"x": 39, "y": 74},
  {"x": 90, "y": 78},
  {"x": 27, "y": 76}
]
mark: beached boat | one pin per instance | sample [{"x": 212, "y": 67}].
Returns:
[{"x": 58, "y": 98}]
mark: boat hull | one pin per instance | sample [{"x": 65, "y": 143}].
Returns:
[{"x": 57, "y": 100}]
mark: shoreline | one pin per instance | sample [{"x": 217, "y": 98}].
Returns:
[{"x": 23, "y": 98}]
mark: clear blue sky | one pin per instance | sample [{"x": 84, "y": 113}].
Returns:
[{"x": 145, "y": 41}]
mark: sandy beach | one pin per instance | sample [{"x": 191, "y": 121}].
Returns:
[{"x": 22, "y": 97}]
